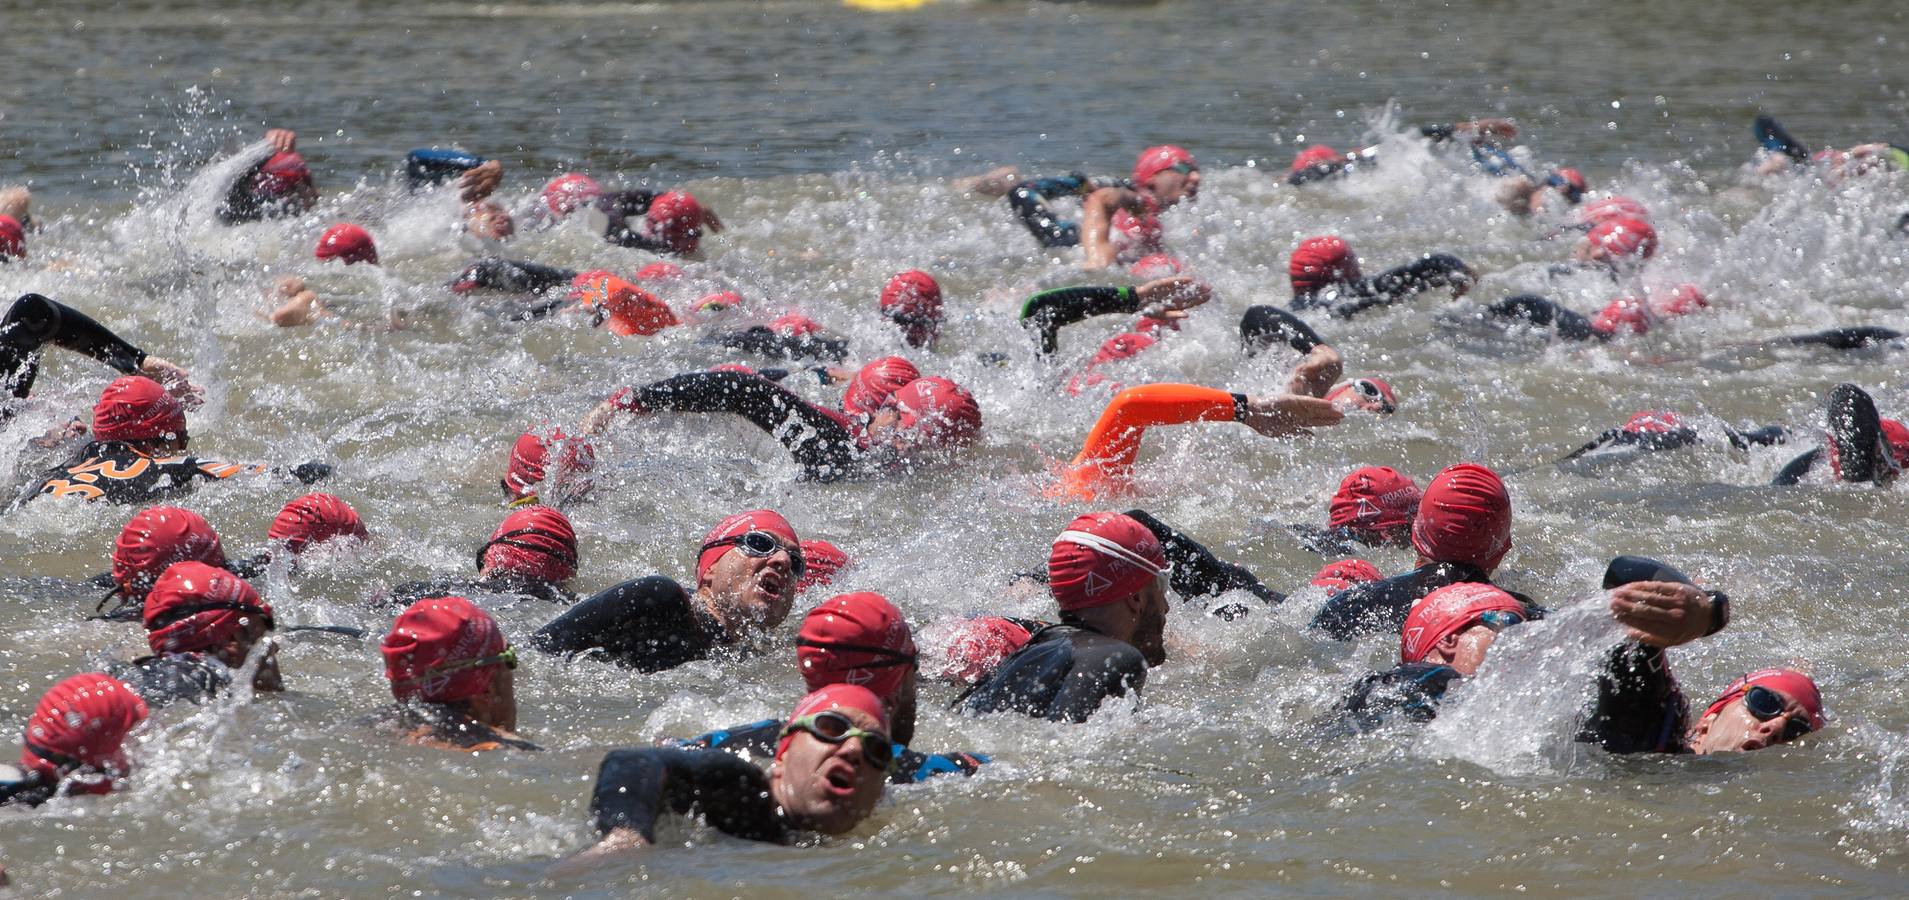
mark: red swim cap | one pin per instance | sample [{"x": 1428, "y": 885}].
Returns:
[
  {"x": 1337, "y": 576},
  {"x": 1449, "y": 610},
  {"x": 912, "y": 293},
  {"x": 1788, "y": 682},
  {"x": 939, "y": 411},
  {"x": 1154, "y": 160},
  {"x": 282, "y": 174},
  {"x": 427, "y": 653},
  {"x": 1684, "y": 299},
  {"x": 823, "y": 560},
  {"x": 1612, "y": 208},
  {"x": 194, "y": 607},
  {"x": 660, "y": 271},
  {"x": 1654, "y": 422},
  {"x": 625, "y": 308},
  {"x": 795, "y": 325},
  {"x": 1621, "y": 314},
  {"x": 347, "y": 242},
  {"x": 154, "y": 539},
  {"x": 137, "y": 408},
  {"x": 1574, "y": 180},
  {"x": 1118, "y": 347},
  {"x": 314, "y": 519},
  {"x": 676, "y": 218},
  {"x": 564, "y": 194},
  {"x": 741, "y": 523},
  {"x": 858, "y": 638},
  {"x": 1102, "y": 558},
  {"x": 1376, "y": 501},
  {"x": 1625, "y": 238},
  {"x": 1464, "y": 517},
  {"x": 1157, "y": 265},
  {"x": 529, "y": 461},
  {"x": 979, "y": 645},
  {"x": 84, "y": 719},
  {"x": 835, "y": 696},
  {"x": 535, "y": 541},
  {"x": 1368, "y": 389},
  {"x": 1313, "y": 155},
  {"x": 13, "y": 239},
  {"x": 718, "y": 300},
  {"x": 1320, "y": 261},
  {"x": 876, "y": 382},
  {"x": 1897, "y": 436}
]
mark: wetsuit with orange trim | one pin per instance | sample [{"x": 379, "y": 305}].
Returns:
[
  {"x": 824, "y": 442},
  {"x": 757, "y": 740},
  {"x": 647, "y": 624},
  {"x": 33, "y": 322},
  {"x": 1105, "y": 462},
  {"x": 1346, "y": 299},
  {"x": 635, "y": 787},
  {"x": 118, "y": 473},
  {"x": 1381, "y": 606}
]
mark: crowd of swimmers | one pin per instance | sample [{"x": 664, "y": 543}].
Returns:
[{"x": 1109, "y": 575}]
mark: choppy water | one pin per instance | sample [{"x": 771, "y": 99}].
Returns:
[{"x": 820, "y": 134}]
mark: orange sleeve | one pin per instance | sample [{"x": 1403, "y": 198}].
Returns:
[{"x": 1105, "y": 462}]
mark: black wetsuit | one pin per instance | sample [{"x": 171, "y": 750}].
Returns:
[
  {"x": 1643, "y": 442},
  {"x": 26, "y": 788},
  {"x": 165, "y": 678},
  {"x": 1197, "y": 573},
  {"x": 1855, "y": 431},
  {"x": 244, "y": 203},
  {"x": 1347, "y": 299},
  {"x": 1408, "y": 691},
  {"x": 1319, "y": 171},
  {"x": 1062, "y": 674},
  {"x": 620, "y": 206},
  {"x": 1381, "y": 606},
  {"x": 503, "y": 589},
  {"x": 1327, "y": 541},
  {"x": 1029, "y": 202},
  {"x": 1639, "y": 707},
  {"x": 1264, "y": 327},
  {"x": 648, "y": 624},
  {"x": 635, "y": 787},
  {"x": 1542, "y": 312},
  {"x": 1045, "y": 313},
  {"x": 758, "y": 740},
  {"x": 35, "y": 320},
  {"x": 518, "y": 277},
  {"x": 115, "y": 472},
  {"x": 761, "y": 341},
  {"x": 820, "y": 440},
  {"x": 1853, "y": 337}
]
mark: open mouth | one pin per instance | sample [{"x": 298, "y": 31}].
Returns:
[
  {"x": 771, "y": 582},
  {"x": 840, "y": 778}
]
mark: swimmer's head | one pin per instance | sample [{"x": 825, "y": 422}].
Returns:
[
  {"x": 1896, "y": 435},
  {"x": 1108, "y": 570},
  {"x": 719, "y": 302},
  {"x": 862, "y": 639},
  {"x": 1315, "y": 155},
  {"x": 824, "y": 561},
  {"x": 1684, "y": 299},
  {"x": 978, "y": 645},
  {"x": 13, "y": 239},
  {"x": 1167, "y": 172},
  {"x": 314, "y": 519},
  {"x": 620, "y": 306},
  {"x": 1370, "y": 394},
  {"x": 912, "y": 300},
  {"x": 875, "y": 382},
  {"x": 1761, "y": 709},
  {"x": 1618, "y": 242},
  {"x": 447, "y": 650},
  {"x": 1157, "y": 265},
  {"x": 832, "y": 760},
  {"x": 1569, "y": 183},
  {"x": 677, "y": 219},
  {"x": 795, "y": 325},
  {"x": 196, "y": 608},
  {"x": 1612, "y": 208},
  {"x": 348, "y": 242},
  {"x": 569, "y": 192},
  {"x": 530, "y": 465},
  {"x": 1622, "y": 315},
  {"x": 931, "y": 413},
  {"x": 154, "y": 539},
  {"x": 286, "y": 181},
  {"x": 1376, "y": 504},
  {"x": 80, "y": 727},
  {"x": 1319, "y": 262},
  {"x": 535, "y": 542},
  {"x": 1464, "y": 517},
  {"x": 660, "y": 271},
  {"x": 137, "y": 410},
  {"x": 747, "y": 570},
  {"x": 1338, "y": 576},
  {"x": 1456, "y": 624}
]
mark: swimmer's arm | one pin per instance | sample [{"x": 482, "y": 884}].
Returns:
[
  {"x": 1364, "y": 609},
  {"x": 1667, "y": 614},
  {"x": 1264, "y": 326},
  {"x": 913, "y": 768},
  {"x": 1101, "y": 672},
  {"x": 35, "y": 320},
  {"x": 754, "y": 739},
  {"x": 1792, "y": 472},
  {"x": 823, "y": 446},
  {"x": 494, "y": 273},
  {"x": 480, "y": 180},
  {"x": 1434, "y": 270},
  {"x": 619, "y": 207},
  {"x": 1317, "y": 373},
  {"x": 1096, "y": 220},
  {"x": 633, "y": 786},
  {"x": 1196, "y": 572},
  {"x": 1639, "y": 708},
  {"x": 1048, "y": 311}
]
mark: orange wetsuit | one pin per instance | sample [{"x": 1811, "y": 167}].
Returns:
[{"x": 1104, "y": 466}]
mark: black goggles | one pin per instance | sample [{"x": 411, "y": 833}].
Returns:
[
  {"x": 182, "y": 613},
  {"x": 762, "y": 545},
  {"x": 887, "y": 657},
  {"x": 1766, "y": 704},
  {"x": 834, "y": 728},
  {"x": 561, "y": 552}
]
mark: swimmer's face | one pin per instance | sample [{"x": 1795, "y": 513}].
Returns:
[
  {"x": 1361, "y": 394},
  {"x": 1733, "y": 729},
  {"x": 753, "y": 591},
  {"x": 489, "y": 221},
  {"x": 1173, "y": 185},
  {"x": 1150, "y": 623},
  {"x": 827, "y": 787},
  {"x": 1468, "y": 648}
]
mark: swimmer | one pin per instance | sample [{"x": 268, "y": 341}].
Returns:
[
  {"x": 1654, "y": 431},
  {"x": 452, "y": 673},
  {"x": 531, "y": 466},
  {"x": 1618, "y": 246},
  {"x": 1317, "y": 162},
  {"x": 1859, "y": 445},
  {"x": 74, "y": 741},
  {"x": 912, "y": 300},
  {"x": 1162, "y": 300},
  {"x": 925, "y": 419},
  {"x": 1117, "y": 218},
  {"x": 476, "y": 179},
  {"x": 150, "y": 543},
  {"x": 202, "y": 623},
  {"x": 279, "y": 186},
  {"x": 746, "y": 573},
  {"x": 137, "y": 453},
  {"x": 1338, "y": 576},
  {"x": 1325, "y": 275},
  {"x": 314, "y": 519},
  {"x": 831, "y": 764},
  {"x": 858, "y": 639},
  {"x": 1373, "y": 507},
  {"x": 1627, "y": 315},
  {"x": 671, "y": 222},
  {"x": 1779, "y": 152},
  {"x": 34, "y": 321},
  {"x": 1106, "y": 574},
  {"x": 787, "y": 337},
  {"x": 1461, "y": 532},
  {"x": 1105, "y": 463},
  {"x": 530, "y": 557},
  {"x": 13, "y": 239}
]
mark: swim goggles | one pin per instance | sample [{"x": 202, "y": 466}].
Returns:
[
  {"x": 508, "y": 659},
  {"x": 558, "y": 552},
  {"x": 1500, "y": 619},
  {"x": 1369, "y": 391},
  {"x": 762, "y": 545},
  {"x": 181, "y": 613},
  {"x": 1765, "y": 704},
  {"x": 886, "y": 658},
  {"x": 832, "y": 727},
  {"x": 1183, "y": 168}
]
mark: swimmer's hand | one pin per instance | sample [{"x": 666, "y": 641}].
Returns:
[
  {"x": 600, "y": 417},
  {"x": 1162, "y": 297},
  {"x": 175, "y": 380},
  {"x": 60, "y": 434},
  {"x": 480, "y": 180},
  {"x": 1662, "y": 613},
  {"x": 1281, "y": 415},
  {"x": 283, "y": 140},
  {"x": 619, "y": 842},
  {"x": 310, "y": 472},
  {"x": 711, "y": 224},
  {"x": 1317, "y": 373}
]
